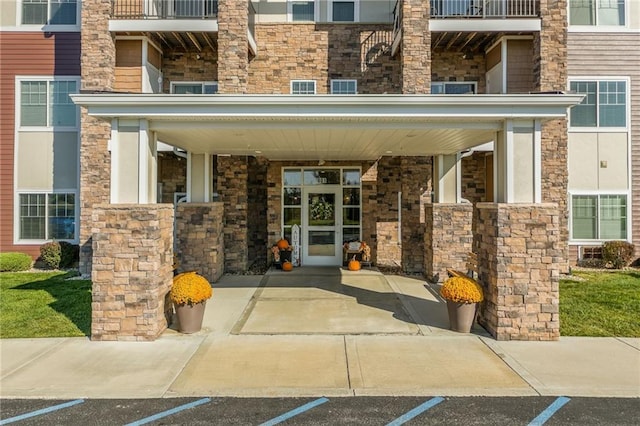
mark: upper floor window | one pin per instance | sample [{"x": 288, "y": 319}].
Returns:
[
  {"x": 194, "y": 88},
  {"x": 453, "y": 88},
  {"x": 303, "y": 87},
  {"x": 599, "y": 217},
  {"x": 302, "y": 11},
  {"x": 343, "y": 11},
  {"x": 605, "y": 104},
  {"x": 47, "y": 103},
  {"x": 51, "y": 12},
  {"x": 344, "y": 87},
  {"x": 597, "y": 12}
]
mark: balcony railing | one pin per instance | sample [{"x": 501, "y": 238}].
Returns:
[
  {"x": 488, "y": 9},
  {"x": 165, "y": 9}
]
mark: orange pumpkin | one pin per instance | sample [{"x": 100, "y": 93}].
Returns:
[
  {"x": 287, "y": 266},
  {"x": 354, "y": 265},
  {"x": 283, "y": 244}
]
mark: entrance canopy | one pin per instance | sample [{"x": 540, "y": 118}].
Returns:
[{"x": 326, "y": 127}]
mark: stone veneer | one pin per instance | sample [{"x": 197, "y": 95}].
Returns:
[
  {"x": 200, "y": 239},
  {"x": 132, "y": 270},
  {"x": 233, "y": 54},
  {"x": 98, "y": 73},
  {"x": 178, "y": 65},
  {"x": 416, "y": 185},
  {"x": 448, "y": 238},
  {"x": 233, "y": 190},
  {"x": 520, "y": 247},
  {"x": 257, "y": 237},
  {"x": 452, "y": 66},
  {"x": 172, "y": 173},
  {"x": 415, "y": 52}
]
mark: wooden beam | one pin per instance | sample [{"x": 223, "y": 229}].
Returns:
[
  {"x": 438, "y": 40},
  {"x": 163, "y": 39},
  {"x": 180, "y": 40},
  {"x": 195, "y": 41},
  {"x": 208, "y": 40},
  {"x": 469, "y": 38},
  {"x": 453, "y": 40}
]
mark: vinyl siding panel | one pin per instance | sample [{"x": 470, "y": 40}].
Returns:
[
  {"x": 614, "y": 54},
  {"x": 24, "y": 54}
]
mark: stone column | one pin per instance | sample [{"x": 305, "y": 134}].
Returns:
[
  {"x": 132, "y": 270},
  {"x": 416, "y": 47},
  {"x": 233, "y": 190},
  {"x": 448, "y": 238},
  {"x": 200, "y": 239},
  {"x": 550, "y": 60},
  {"x": 520, "y": 247},
  {"x": 233, "y": 48},
  {"x": 98, "y": 73},
  {"x": 416, "y": 181}
]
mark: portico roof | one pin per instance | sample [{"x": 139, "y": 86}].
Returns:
[{"x": 326, "y": 127}]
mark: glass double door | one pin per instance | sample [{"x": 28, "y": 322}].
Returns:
[{"x": 322, "y": 225}]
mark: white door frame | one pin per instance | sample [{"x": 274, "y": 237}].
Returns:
[{"x": 318, "y": 260}]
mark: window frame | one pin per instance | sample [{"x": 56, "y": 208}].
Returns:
[
  {"x": 194, "y": 83},
  {"x": 47, "y": 127},
  {"x": 315, "y": 87},
  {"x": 598, "y": 80},
  {"x": 596, "y": 24},
  {"x": 316, "y": 10},
  {"x": 48, "y": 27},
  {"x": 457, "y": 83},
  {"x": 598, "y": 195},
  {"x": 356, "y": 11},
  {"x": 344, "y": 80},
  {"x": 46, "y": 193}
]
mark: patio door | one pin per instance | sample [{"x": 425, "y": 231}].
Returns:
[{"x": 322, "y": 225}]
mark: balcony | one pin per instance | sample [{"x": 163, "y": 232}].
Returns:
[
  {"x": 165, "y": 9},
  {"x": 473, "y": 18}
]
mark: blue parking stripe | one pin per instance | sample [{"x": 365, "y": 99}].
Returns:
[
  {"x": 417, "y": 411},
  {"x": 41, "y": 411},
  {"x": 550, "y": 411},
  {"x": 295, "y": 412},
  {"x": 170, "y": 412}
]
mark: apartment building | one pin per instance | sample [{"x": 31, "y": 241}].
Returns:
[{"x": 427, "y": 129}]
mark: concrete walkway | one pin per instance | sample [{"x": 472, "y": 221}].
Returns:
[{"x": 320, "y": 331}]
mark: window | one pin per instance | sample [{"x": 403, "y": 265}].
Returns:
[
  {"x": 605, "y": 104},
  {"x": 302, "y": 11},
  {"x": 194, "y": 88},
  {"x": 453, "y": 88},
  {"x": 599, "y": 217},
  {"x": 47, "y": 216},
  {"x": 52, "y": 12},
  {"x": 47, "y": 103},
  {"x": 344, "y": 87},
  {"x": 303, "y": 87},
  {"x": 343, "y": 11},
  {"x": 597, "y": 12}
]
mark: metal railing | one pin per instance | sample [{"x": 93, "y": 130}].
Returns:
[
  {"x": 165, "y": 9},
  {"x": 484, "y": 8}
]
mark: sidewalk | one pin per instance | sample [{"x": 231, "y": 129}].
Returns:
[{"x": 243, "y": 351}]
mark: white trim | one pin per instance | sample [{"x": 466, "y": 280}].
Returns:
[
  {"x": 508, "y": 160},
  {"x": 346, "y": 80},
  {"x": 440, "y": 193},
  {"x": 164, "y": 25},
  {"x": 458, "y": 178},
  {"x": 598, "y": 193},
  {"x": 143, "y": 162},
  {"x": 115, "y": 146},
  {"x": 46, "y": 192},
  {"x": 174, "y": 83},
  {"x": 316, "y": 9},
  {"x": 20, "y": 27},
  {"x": 485, "y": 25},
  {"x": 537, "y": 161},
  {"x": 189, "y": 177},
  {"x": 207, "y": 177},
  {"x": 315, "y": 86},
  {"x": 356, "y": 11},
  {"x": 46, "y": 78},
  {"x": 597, "y": 80},
  {"x": 503, "y": 62},
  {"x": 596, "y": 27},
  {"x": 146, "y": 87}
]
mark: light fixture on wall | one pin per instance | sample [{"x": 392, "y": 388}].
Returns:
[{"x": 320, "y": 162}]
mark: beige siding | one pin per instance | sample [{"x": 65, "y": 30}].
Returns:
[
  {"x": 47, "y": 160},
  {"x": 614, "y": 54},
  {"x": 8, "y": 13}
]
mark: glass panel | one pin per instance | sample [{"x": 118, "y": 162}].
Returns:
[
  {"x": 613, "y": 217},
  {"x": 292, "y": 178},
  {"x": 611, "y": 12},
  {"x": 343, "y": 11},
  {"x": 351, "y": 177},
  {"x": 459, "y": 88},
  {"x": 302, "y": 11},
  {"x": 322, "y": 209},
  {"x": 32, "y": 216},
  {"x": 33, "y": 103},
  {"x": 351, "y": 215},
  {"x": 584, "y": 114},
  {"x": 584, "y": 216},
  {"x": 351, "y": 196},
  {"x": 187, "y": 89},
  {"x": 343, "y": 87},
  {"x": 61, "y": 212},
  {"x": 350, "y": 234},
  {"x": 63, "y": 12},
  {"x": 322, "y": 243},
  {"x": 292, "y": 216},
  {"x": 303, "y": 87},
  {"x": 211, "y": 88},
  {"x": 34, "y": 12},
  {"x": 437, "y": 88},
  {"x": 612, "y": 98},
  {"x": 322, "y": 177},
  {"x": 582, "y": 12},
  {"x": 63, "y": 110},
  {"x": 292, "y": 196}
]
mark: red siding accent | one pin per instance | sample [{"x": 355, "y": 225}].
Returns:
[{"x": 26, "y": 53}]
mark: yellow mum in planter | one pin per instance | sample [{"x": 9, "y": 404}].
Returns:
[
  {"x": 462, "y": 290},
  {"x": 190, "y": 288}
]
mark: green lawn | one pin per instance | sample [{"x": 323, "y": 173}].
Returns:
[
  {"x": 605, "y": 304},
  {"x": 44, "y": 304}
]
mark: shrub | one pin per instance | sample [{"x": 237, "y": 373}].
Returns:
[
  {"x": 50, "y": 254},
  {"x": 591, "y": 263},
  {"x": 190, "y": 288},
  {"x": 462, "y": 290},
  {"x": 69, "y": 254},
  {"x": 617, "y": 253},
  {"x": 15, "y": 262}
]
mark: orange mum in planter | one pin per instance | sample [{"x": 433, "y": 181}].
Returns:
[
  {"x": 462, "y": 290},
  {"x": 189, "y": 288}
]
